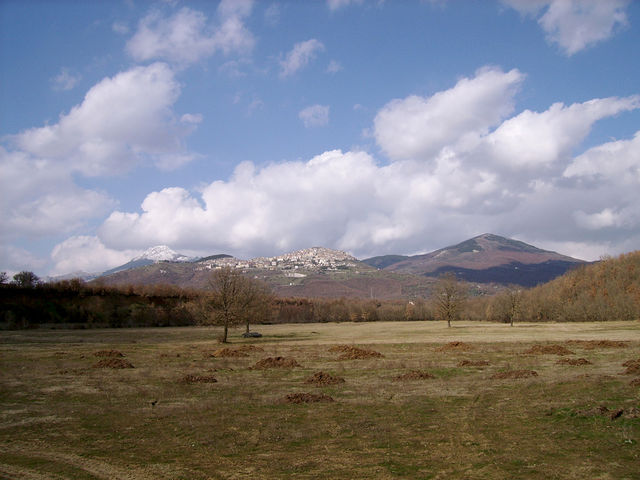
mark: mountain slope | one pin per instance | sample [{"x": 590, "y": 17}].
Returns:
[
  {"x": 489, "y": 258},
  {"x": 159, "y": 253}
]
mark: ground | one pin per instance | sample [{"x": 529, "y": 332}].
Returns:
[{"x": 441, "y": 403}]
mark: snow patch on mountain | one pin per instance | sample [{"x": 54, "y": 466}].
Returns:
[{"x": 162, "y": 253}]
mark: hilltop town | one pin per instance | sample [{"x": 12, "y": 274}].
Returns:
[{"x": 312, "y": 259}]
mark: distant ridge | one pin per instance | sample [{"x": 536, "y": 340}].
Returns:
[{"x": 487, "y": 258}]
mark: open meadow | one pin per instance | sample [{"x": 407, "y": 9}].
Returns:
[{"x": 328, "y": 401}]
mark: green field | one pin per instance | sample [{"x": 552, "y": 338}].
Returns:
[{"x": 63, "y": 417}]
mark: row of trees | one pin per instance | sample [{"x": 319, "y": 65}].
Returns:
[{"x": 607, "y": 290}]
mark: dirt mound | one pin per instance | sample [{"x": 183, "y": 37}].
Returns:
[
  {"x": 514, "y": 374},
  {"x": 322, "y": 378},
  {"x": 455, "y": 346},
  {"x": 593, "y": 344},
  {"x": 228, "y": 353},
  {"x": 635, "y": 382},
  {"x": 603, "y": 411},
  {"x": 631, "y": 363},
  {"x": 415, "y": 375},
  {"x": 108, "y": 353},
  {"x": 113, "y": 363},
  {"x": 632, "y": 369},
  {"x": 193, "y": 378},
  {"x": 355, "y": 353},
  {"x": 276, "y": 362},
  {"x": 473, "y": 363},
  {"x": 308, "y": 398},
  {"x": 573, "y": 361},
  {"x": 548, "y": 349},
  {"x": 341, "y": 348}
]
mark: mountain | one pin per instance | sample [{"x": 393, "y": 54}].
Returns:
[
  {"x": 322, "y": 272},
  {"x": 159, "y": 253},
  {"x": 486, "y": 258}
]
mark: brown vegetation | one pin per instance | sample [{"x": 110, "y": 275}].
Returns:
[
  {"x": 473, "y": 363},
  {"x": 548, "y": 350},
  {"x": 349, "y": 352},
  {"x": 113, "y": 363},
  {"x": 596, "y": 344},
  {"x": 276, "y": 362},
  {"x": 514, "y": 374},
  {"x": 322, "y": 378},
  {"x": 415, "y": 375},
  {"x": 108, "y": 353},
  {"x": 308, "y": 398},
  {"x": 455, "y": 346},
  {"x": 576, "y": 362},
  {"x": 194, "y": 378}
]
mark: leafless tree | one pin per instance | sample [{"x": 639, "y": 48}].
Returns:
[
  {"x": 450, "y": 296},
  {"x": 234, "y": 299}
]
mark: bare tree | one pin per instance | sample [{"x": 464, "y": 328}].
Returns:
[
  {"x": 514, "y": 303},
  {"x": 234, "y": 299},
  {"x": 450, "y": 298},
  {"x": 26, "y": 279}
]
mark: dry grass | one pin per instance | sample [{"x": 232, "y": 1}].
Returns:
[{"x": 60, "y": 418}]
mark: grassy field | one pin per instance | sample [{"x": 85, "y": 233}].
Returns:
[{"x": 498, "y": 402}]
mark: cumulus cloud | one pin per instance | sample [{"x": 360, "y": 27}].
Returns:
[
  {"x": 87, "y": 254},
  {"x": 419, "y": 127},
  {"x": 575, "y": 24},
  {"x": 299, "y": 57},
  {"x": 39, "y": 198},
  {"x": 315, "y": 116},
  {"x": 439, "y": 188},
  {"x": 186, "y": 37},
  {"x": 121, "y": 121}
]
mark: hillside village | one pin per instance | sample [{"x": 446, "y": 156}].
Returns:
[{"x": 312, "y": 259}]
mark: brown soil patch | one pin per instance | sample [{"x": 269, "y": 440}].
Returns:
[
  {"x": 108, "y": 353},
  {"x": 593, "y": 344},
  {"x": 635, "y": 382},
  {"x": 308, "y": 398},
  {"x": 322, "y": 378},
  {"x": 276, "y": 362},
  {"x": 113, "y": 363},
  {"x": 632, "y": 369},
  {"x": 473, "y": 363},
  {"x": 193, "y": 378},
  {"x": 415, "y": 375},
  {"x": 631, "y": 363},
  {"x": 514, "y": 374},
  {"x": 576, "y": 362},
  {"x": 355, "y": 353},
  {"x": 603, "y": 411},
  {"x": 548, "y": 349},
  {"x": 455, "y": 346},
  {"x": 228, "y": 353}
]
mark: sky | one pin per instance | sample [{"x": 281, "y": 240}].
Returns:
[{"x": 255, "y": 128}]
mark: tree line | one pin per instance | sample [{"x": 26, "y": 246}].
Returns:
[{"x": 606, "y": 290}]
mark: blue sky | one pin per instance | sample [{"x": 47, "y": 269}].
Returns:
[{"x": 259, "y": 127}]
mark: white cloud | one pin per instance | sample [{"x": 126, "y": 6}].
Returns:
[
  {"x": 65, "y": 80},
  {"x": 533, "y": 139},
  {"x": 315, "y": 116},
  {"x": 575, "y": 24},
  {"x": 121, "y": 121},
  {"x": 485, "y": 172},
  {"x": 87, "y": 254},
  {"x": 186, "y": 37},
  {"x": 16, "y": 259},
  {"x": 334, "y": 67},
  {"x": 418, "y": 127},
  {"x": 299, "y": 57},
  {"x": 338, "y": 4},
  {"x": 40, "y": 198}
]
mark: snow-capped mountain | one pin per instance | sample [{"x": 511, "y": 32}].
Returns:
[{"x": 159, "y": 253}]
